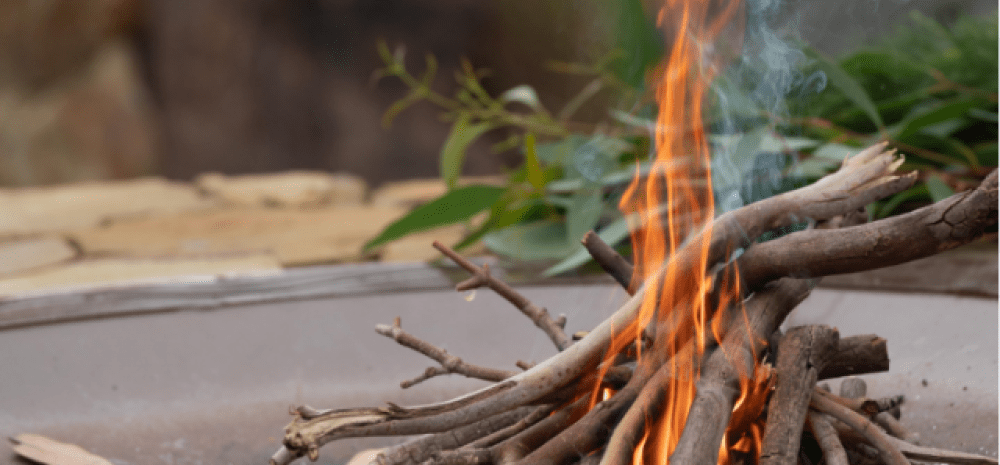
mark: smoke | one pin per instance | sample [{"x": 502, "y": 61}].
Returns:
[{"x": 758, "y": 89}]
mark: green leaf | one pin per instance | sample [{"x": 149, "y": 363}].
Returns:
[
  {"x": 639, "y": 39},
  {"x": 553, "y": 153},
  {"x": 583, "y": 213},
  {"x": 535, "y": 176},
  {"x": 455, "y": 206},
  {"x": 936, "y": 114},
  {"x": 890, "y": 205},
  {"x": 824, "y": 160},
  {"x": 612, "y": 234},
  {"x": 463, "y": 132},
  {"x": 539, "y": 240},
  {"x": 937, "y": 189},
  {"x": 847, "y": 85}
]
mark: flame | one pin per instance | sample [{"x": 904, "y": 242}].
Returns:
[{"x": 678, "y": 193}]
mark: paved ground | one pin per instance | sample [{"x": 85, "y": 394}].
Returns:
[{"x": 213, "y": 387}]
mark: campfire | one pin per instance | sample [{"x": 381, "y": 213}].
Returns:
[{"x": 693, "y": 368}]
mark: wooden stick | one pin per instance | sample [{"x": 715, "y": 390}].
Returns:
[
  {"x": 887, "y": 449},
  {"x": 538, "y": 414},
  {"x": 829, "y": 441},
  {"x": 482, "y": 277},
  {"x": 801, "y": 356},
  {"x": 857, "y": 355},
  {"x": 944, "y": 225},
  {"x": 449, "y": 363},
  {"x": 718, "y": 387},
  {"x": 420, "y": 449},
  {"x": 921, "y": 453},
  {"x": 895, "y": 428},
  {"x": 610, "y": 261}
]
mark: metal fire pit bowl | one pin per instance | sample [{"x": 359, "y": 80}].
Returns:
[{"x": 205, "y": 373}]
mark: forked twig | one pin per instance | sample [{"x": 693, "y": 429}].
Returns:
[
  {"x": 481, "y": 277},
  {"x": 449, "y": 363},
  {"x": 887, "y": 448}
]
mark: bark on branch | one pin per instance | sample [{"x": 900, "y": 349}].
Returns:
[
  {"x": 449, "y": 363},
  {"x": 802, "y": 353},
  {"x": 482, "y": 277},
  {"x": 944, "y": 225}
]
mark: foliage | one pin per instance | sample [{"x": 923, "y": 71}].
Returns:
[{"x": 929, "y": 90}]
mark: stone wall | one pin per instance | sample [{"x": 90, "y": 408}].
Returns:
[{"x": 111, "y": 89}]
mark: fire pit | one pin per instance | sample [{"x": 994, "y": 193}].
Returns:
[{"x": 693, "y": 368}]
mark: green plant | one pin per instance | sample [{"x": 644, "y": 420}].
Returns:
[
  {"x": 565, "y": 184},
  {"x": 929, "y": 90}
]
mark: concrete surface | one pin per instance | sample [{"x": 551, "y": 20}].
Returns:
[{"x": 214, "y": 387}]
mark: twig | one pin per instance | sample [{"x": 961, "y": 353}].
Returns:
[
  {"x": 861, "y": 405},
  {"x": 887, "y": 449},
  {"x": 920, "y": 453},
  {"x": 829, "y": 442},
  {"x": 934, "y": 455},
  {"x": 449, "y": 363},
  {"x": 610, "y": 261},
  {"x": 420, "y": 449},
  {"x": 801, "y": 355},
  {"x": 895, "y": 428},
  {"x": 536, "y": 415},
  {"x": 482, "y": 277}
]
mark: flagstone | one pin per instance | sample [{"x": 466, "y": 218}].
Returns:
[{"x": 296, "y": 237}]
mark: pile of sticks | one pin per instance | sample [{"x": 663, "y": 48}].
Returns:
[{"x": 544, "y": 415}]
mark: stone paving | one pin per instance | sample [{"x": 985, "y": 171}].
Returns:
[{"x": 100, "y": 234}]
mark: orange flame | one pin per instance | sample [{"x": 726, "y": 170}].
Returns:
[{"x": 678, "y": 193}]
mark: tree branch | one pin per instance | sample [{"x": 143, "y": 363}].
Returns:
[
  {"x": 449, "y": 363},
  {"x": 610, "y": 261},
  {"x": 944, "y": 225},
  {"x": 482, "y": 277}
]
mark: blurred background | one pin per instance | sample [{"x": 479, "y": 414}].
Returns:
[{"x": 116, "y": 89}]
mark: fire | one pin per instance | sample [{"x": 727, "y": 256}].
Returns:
[{"x": 677, "y": 306}]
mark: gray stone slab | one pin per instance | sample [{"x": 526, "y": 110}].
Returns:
[{"x": 214, "y": 386}]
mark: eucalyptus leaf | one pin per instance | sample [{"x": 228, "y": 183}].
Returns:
[
  {"x": 583, "y": 213},
  {"x": 558, "y": 152},
  {"x": 463, "y": 132},
  {"x": 454, "y": 206},
  {"x": 942, "y": 112},
  {"x": 539, "y": 240},
  {"x": 535, "y": 176},
  {"x": 612, "y": 234},
  {"x": 895, "y": 201},
  {"x": 937, "y": 189},
  {"x": 847, "y": 85}
]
